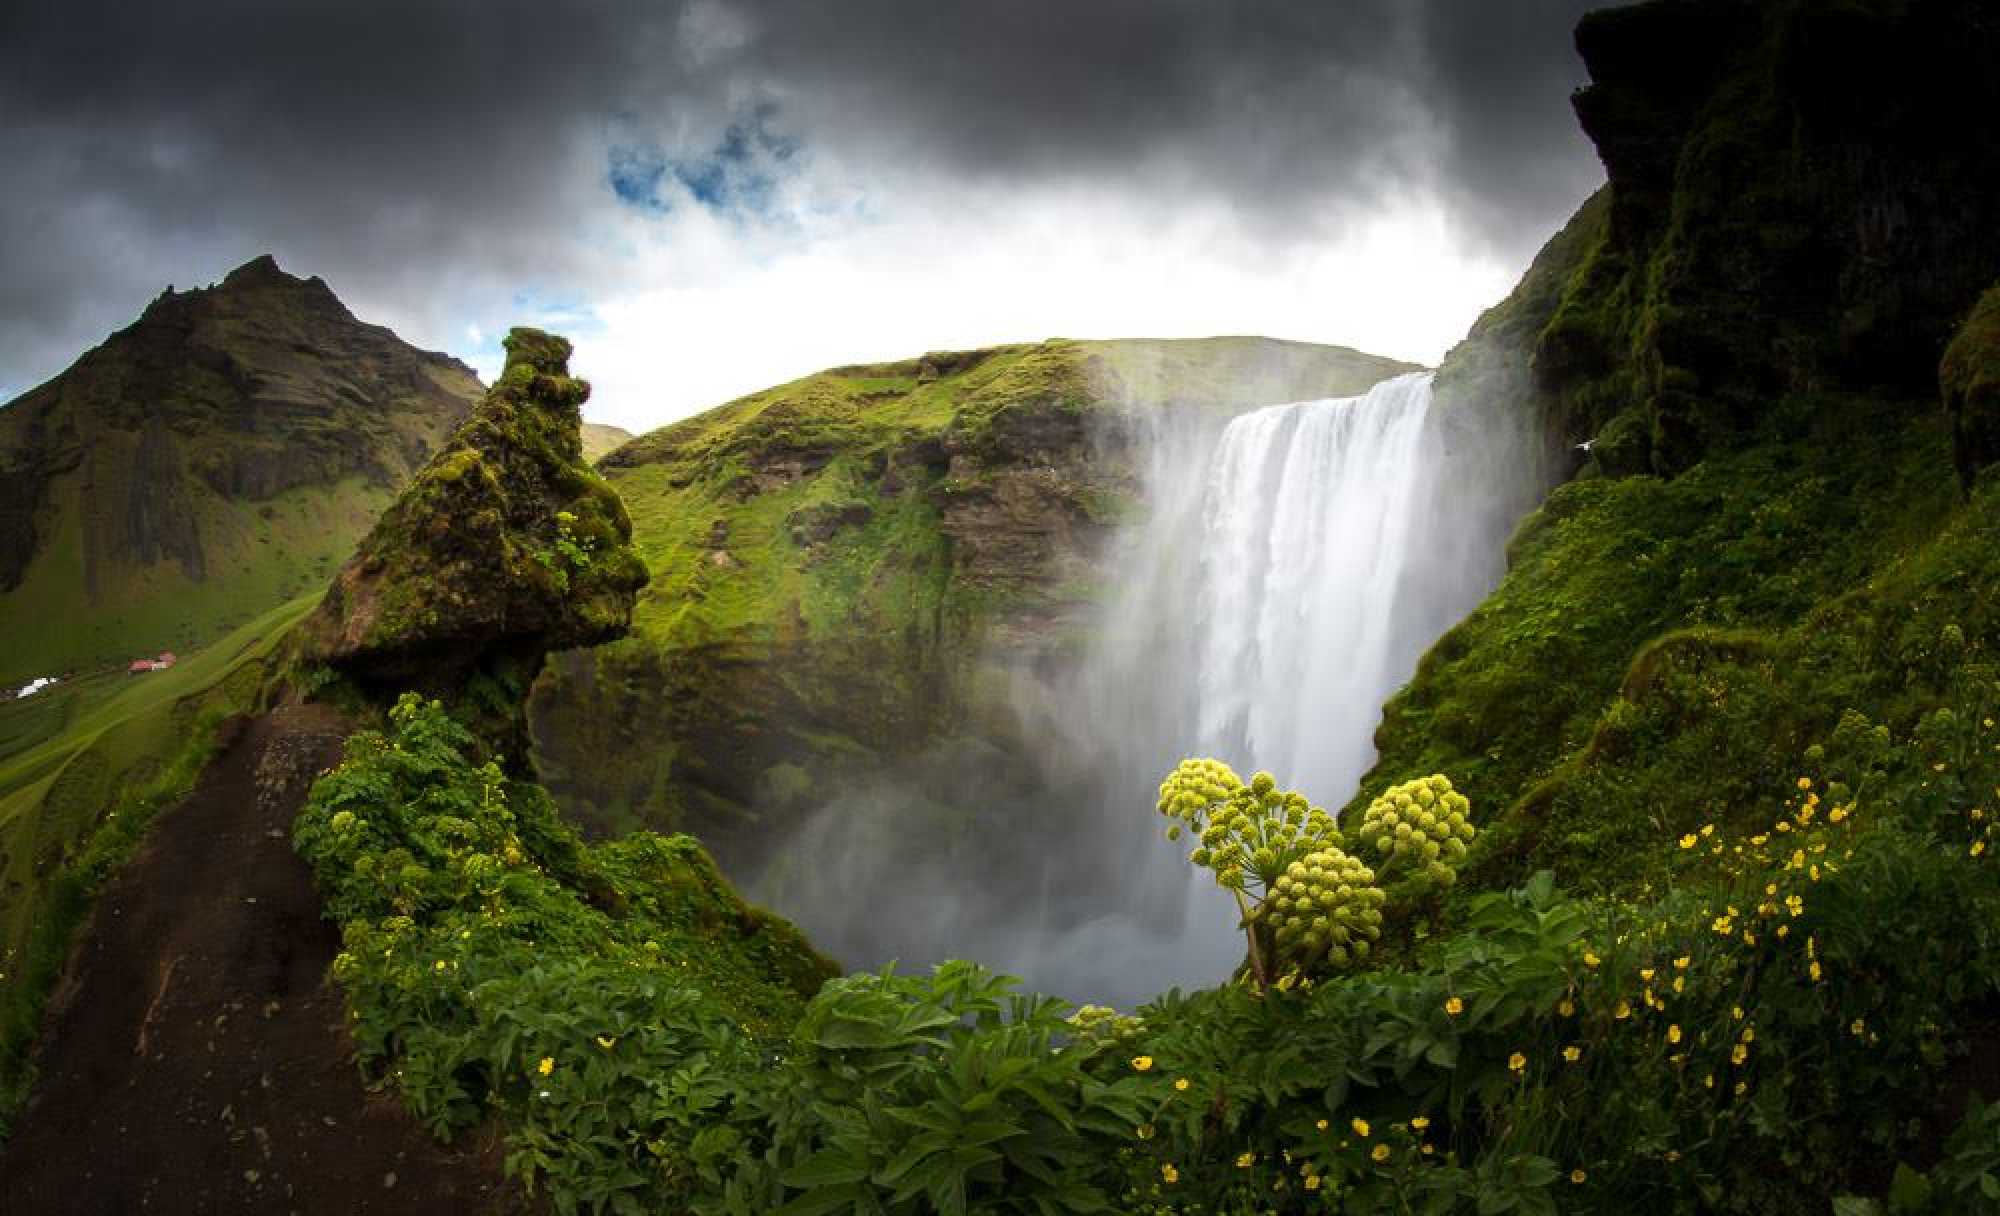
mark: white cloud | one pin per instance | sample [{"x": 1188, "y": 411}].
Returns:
[{"x": 711, "y": 310}]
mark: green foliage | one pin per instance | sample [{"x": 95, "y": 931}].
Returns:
[
  {"x": 941, "y": 1094},
  {"x": 494, "y": 963},
  {"x": 1661, "y": 651}
]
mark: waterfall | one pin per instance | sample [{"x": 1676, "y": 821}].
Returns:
[
  {"x": 1293, "y": 564},
  {"x": 1308, "y": 528}
]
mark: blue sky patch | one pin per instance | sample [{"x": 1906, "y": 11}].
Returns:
[{"x": 737, "y": 177}]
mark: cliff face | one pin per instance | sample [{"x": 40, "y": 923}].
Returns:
[
  {"x": 1766, "y": 550},
  {"x": 208, "y": 462},
  {"x": 1801, "y": 198},
  {"x": 848, "y": 568}
]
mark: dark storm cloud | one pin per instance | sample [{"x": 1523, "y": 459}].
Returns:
[{"x": 439, "y": 152}]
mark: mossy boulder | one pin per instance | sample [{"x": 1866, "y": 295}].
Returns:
[
  {"x": 505, "y": 546},
  {"x": 1970, "y": 379}
]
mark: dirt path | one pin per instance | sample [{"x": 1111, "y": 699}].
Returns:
[{"x": 193, "y": 1059}]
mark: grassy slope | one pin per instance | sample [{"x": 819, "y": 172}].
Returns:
[
  {"x": 825, "y": 553},
  {"x": 119, "y": 733},
  {"x": 258, "y": 554},
  {"x": 600, "y": 438}
]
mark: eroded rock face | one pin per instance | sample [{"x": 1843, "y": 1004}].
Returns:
[
  {"x": 1801, "y": 199},
  {"x": 504, "y": 547}
]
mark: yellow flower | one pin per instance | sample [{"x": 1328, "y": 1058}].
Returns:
[
  {"x": 1646, "y": 973},
  {"x": 1688, "y": 841},
  {"x": 1244, "y": 1162},
  {"x": 607, "y": 1044},
  {"x": 1454, "y": 1006},
  {"x": 1680, "y": 983},
  {"x": 1805, "y": 783},
  {"x": 1978, "y": 847},
  {"x": 1181, "y": 1083},
  {"x": 1741, "y": 1087},
  {"x": 1681, "y": 963},
  {"x": 1736, "y": 1011},
  {"x": 1420, "y": 1123},
  {"x": 1312, "y": 1182},
  {"x": 1566, "y": 1007},
  {"x": 1145, "y": 1131},
  {"x": 1169, "y": 1173},
  {"x": 1813, "y": 970},
  {"x": 1623, "y": 1011},
  {"x": 1708, "y": 1082},
  {"x": 1836, "y": 814},
  {"x": 1738, "y": 1054},
  {"x": 1142, "y": 1063},
  {"x": 1749, "y": 1034},
  {"x": 1674, "y": 1033},
  {"x": 1577, "y": 1177},
  {"x": 1590, "y": 960},
  {"x": 1321, "y": 1125},
  {"x": 1360, "y": 1128},
  {"x": 547, "y": 1066},
  {"x": 1856, "y": 1027},
  {"x": 1517, "y": 1062},
  {"x": 1572, "y": 1053},
  {"x": 1381, "y": 1152}
]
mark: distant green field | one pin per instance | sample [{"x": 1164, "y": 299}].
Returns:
[
  {"x": 258, "y": 555},
  {"x": 69, "y": 758}
]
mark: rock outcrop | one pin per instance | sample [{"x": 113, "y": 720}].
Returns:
[{"x": 504, "y": 547}]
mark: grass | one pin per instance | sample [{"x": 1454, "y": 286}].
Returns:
[
  {"x": 122, "y": 751},
  {"x": 257, "y": 555}
]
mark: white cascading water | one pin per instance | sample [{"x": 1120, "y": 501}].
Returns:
[
  {"x": 1293, "y": 565},
  {"x": 1307, "y": 531}
]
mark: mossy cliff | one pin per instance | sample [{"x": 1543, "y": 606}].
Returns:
[
  {"x": 1801, "y": 199},
  {"x": 504, "y": 547},
  {"x": 850, "y": 567},
  {"x": 1767, "y": 538},
  {"x": 208, "y": 462}
]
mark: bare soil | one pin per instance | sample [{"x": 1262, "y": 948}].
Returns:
[{"x": 194, "y": 1058}]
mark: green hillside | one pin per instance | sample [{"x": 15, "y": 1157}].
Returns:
[
  {"x": 217, "y": 457},
  {"x": 829, "y": 555}
]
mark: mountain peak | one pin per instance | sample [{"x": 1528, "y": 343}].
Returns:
[{"x": 262, "y": 268}]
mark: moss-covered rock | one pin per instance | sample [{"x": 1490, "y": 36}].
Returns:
[
  {"x": 1800, "y": 199},
  {"x": 506, "y": 546},
  {"x": 1970, "y": 379}
]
